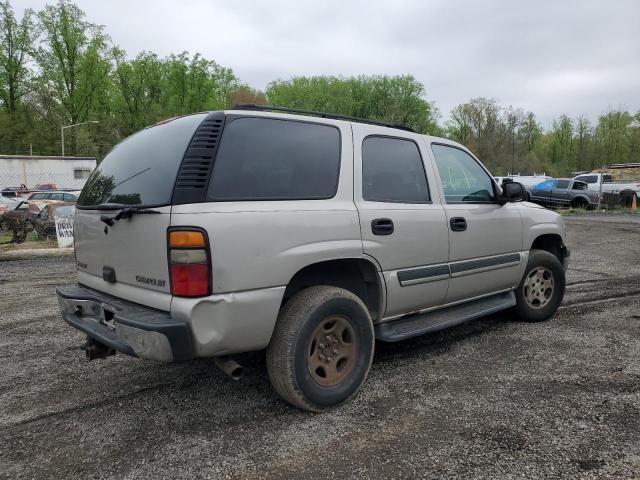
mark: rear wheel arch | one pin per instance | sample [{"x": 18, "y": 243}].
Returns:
[
  {"x": 357, "y": 275},
  {"x": 580, "y": 201}
]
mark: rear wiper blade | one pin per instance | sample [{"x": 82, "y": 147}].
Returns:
[{"x": 126, "y": 212}]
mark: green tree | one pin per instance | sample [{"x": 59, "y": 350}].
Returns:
[
  {"x": 397, "y": 99},
  {"x": 74, "y": 69},
  {"x": 562, "y": 146},
  {"x": 16, "y": 48},
  {"x": 614, "y": 133}
]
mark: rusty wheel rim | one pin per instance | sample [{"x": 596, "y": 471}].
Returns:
[
  {"x": 332, "y": 352},
  {"x": 538, "y": 287}
]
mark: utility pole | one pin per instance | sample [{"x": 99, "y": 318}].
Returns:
[{"x": 69, "y": 126}]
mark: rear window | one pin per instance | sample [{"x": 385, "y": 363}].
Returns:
[
  {"x": 588, "y": 178},
  {"x": 274, "y": 159},
  {"x": 40, "y": 196},
  {"x": 562, "y": 183},
  {"x": 142, "y": 169}
]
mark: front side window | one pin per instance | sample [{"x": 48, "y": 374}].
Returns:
[
  {"x": 392, "y": 171},
  {"x": 463, "y": 179},
  {"x": 275, "y": 159},
  {"x": 544, "y": 185}
]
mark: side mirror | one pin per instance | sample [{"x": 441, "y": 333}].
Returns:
[{"x": 513, "y": 192}]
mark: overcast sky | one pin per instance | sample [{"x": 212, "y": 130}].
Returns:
[{"x": 550, "y": 57}]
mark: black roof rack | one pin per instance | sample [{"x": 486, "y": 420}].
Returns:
[{"x": 333, "y": 116}]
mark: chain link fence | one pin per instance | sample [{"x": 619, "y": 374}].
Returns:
[{"x": 30, "y": 201}]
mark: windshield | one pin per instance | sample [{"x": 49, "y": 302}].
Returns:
[{"x": 142, "y": 169}]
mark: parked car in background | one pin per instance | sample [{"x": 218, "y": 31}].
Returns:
[
  {"x": 24, "y": 191},
  {"x": 7, "y": 203},
  {"x": 599, "y": 182},
  {"x": 61, "y": 196},
  {"x": 20, "y": 219},
  {"x": 564, "y": 192},
  {"x": 44, "y": 222}
]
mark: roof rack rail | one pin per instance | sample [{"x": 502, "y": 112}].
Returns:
[{"x": 333, "y": 116}]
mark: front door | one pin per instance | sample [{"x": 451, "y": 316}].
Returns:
[
  {"x": 401, "y": 227},
  {"x": 485, "y": 237}
]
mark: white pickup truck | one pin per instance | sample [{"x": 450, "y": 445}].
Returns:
[{"x": 609, "y": 185}]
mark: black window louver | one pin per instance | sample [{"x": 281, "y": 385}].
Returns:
[{"x": 195, "y": 170}]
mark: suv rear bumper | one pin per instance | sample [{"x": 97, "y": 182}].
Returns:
[{"x": 125, "y": 326}]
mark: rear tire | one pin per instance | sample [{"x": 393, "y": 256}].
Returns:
[
  {"x": 580, "y": 203},
  {"x": 321, "y": 349},
  {"x": 542, "y": 287}
]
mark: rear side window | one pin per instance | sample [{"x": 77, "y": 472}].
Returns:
[
  {"x": 588, "y": 178},
  {"x": 142, "y": 169},
  {"x": 274, "y": 159},
  {"x": 562, "y": 184},
  {"x": 392, "y": 171}
]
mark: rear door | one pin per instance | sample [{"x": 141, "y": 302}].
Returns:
[
  {"x": 402, "y": 227},
  {"x": 485, "y": 238},
  {"x": 128, "y": 257}
]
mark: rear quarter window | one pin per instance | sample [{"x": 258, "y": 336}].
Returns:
[
  {"x": 142, "y": 169},
  {"x": 275, "y": 159}
]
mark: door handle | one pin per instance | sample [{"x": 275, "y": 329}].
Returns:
[
  {"x": 458, "y": 224},
  {"x": 382, "y": 226}
]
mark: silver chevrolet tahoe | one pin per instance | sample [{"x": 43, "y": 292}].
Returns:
[{"x": 308, "y": 236}]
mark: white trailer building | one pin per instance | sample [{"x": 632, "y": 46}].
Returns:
[{"x": 64, "y": 172}]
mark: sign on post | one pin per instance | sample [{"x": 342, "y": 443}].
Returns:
[{"x": 64, "y": 225}]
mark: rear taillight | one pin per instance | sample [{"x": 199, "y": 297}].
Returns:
[{"x": 189, "y": 263}]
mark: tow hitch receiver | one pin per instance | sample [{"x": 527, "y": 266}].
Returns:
[{"x": 95, "y": 349}]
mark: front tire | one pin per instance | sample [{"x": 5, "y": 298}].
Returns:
[
  {"x": 542, "y": 287},
  {"x": 321, "y": 349}
]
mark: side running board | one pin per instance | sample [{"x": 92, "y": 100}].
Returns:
[{"x": 419, "y": 324}]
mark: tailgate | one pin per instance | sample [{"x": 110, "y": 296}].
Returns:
[{"x": 127, "y": 259}]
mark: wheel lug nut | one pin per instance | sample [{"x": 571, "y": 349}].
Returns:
[{"x": 322, "y": 345}]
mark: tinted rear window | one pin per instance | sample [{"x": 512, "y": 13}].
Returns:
[
  {"x": 273, "y": 159},
  {"x": 392, "y": 171},
  {"x": 142, "y": 169},
  {"x": 588, "y": 178}
]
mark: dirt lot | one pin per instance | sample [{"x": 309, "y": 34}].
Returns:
[{"x": 490, "y": 399}]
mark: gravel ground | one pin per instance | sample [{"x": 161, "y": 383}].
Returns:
[{"x": 489, "y": 399}]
